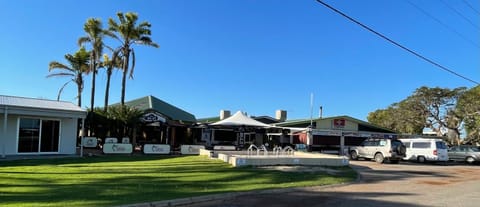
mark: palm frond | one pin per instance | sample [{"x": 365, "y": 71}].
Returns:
[
  {"x": 61, "y": 90},
  {"x": 60, "y": 75},
  {"x": 57, "y": 65},
  {"x": 83, "y": 40}
]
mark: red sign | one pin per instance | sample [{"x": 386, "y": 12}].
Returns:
[{"x": 338, "y": 123}]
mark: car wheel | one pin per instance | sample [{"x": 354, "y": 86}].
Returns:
[
  {"x": 421, "y": 159},
  {"x": 469, "y": 160},
  {"x": 353, "y": 155},
  {"x": 379, "y": 158}
]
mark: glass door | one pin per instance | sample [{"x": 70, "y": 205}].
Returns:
[{"x": 36, "y": 135}]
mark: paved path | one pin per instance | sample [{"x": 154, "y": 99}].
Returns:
[{"x": 406, "y": 184}]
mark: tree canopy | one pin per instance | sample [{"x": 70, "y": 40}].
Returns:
[{"x": 444, "y": 111}]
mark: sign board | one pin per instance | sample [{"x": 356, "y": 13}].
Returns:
[
  {"x": 90, "y": 142},
  {"x": 111, "y": 140},
  {"x": 156, "y": 149},
  {"x": 224, "y": 147},
  {"x": 339, "y": 123},
  {"x": 191, "y": 149},
  {"x": 115, "y": 148},
  {"x": 153, "y": 117}
]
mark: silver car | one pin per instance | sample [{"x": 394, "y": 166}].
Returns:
[{"x": 464, "y": 153}]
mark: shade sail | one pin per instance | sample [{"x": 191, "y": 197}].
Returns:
[{"x": 240, "y": 119}]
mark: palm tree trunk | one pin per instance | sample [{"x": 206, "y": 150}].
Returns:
[
  {"x": 126, "y": 51},
  {"x": 107, "y": 88},
  {"x": 92, "y": 99},
  {"x": 79, "y": 92}
]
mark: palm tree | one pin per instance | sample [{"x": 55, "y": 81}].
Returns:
[
  {"x": 95, "y": 32},
  {"x": 78, "y": 65},
  {"x": 130, "y": 34},
  {"x": 109, "y": 65}
]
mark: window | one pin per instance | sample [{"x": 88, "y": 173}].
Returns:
[
  {"x": 441, "y": 145},
  {"x": 423, "y": 145},
  {"x": 36, "y": 135}
]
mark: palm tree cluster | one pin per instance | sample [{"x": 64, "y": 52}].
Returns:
[{"x": 122, "y": 57}]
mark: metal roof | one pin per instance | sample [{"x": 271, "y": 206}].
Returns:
[
  {"x": 15, "y": 101},
  {"x": 153, "y": 103}
]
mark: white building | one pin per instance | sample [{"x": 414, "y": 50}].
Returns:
[{"x": 36, "y": 126}]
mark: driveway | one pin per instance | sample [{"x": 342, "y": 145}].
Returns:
[{"x": 405, "y": 184}]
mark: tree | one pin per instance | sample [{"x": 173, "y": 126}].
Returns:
[
  {"x": 399, "y": 117},
  {"x": 127, "y": 118},
  {"x": 95, "y": 33},
  {"x": 109, "y": 65},
  {"x": 129, "y": 33},
  {"x": 438, "y": 106},
  {"x": 468, "y": 107},
  {"x": 78, "y": 66}
]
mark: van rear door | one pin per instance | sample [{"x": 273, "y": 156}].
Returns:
[{"x": 442, "y": 151}]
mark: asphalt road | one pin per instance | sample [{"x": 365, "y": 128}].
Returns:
[{"x": 404, "y": 184}]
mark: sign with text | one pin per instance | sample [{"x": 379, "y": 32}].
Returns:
[
  {"x": 115, "y": 148},
  {"x": 191, "y": 149},
  {"x": 90, "y": 142},
  {"x": 156, "y": 149}
]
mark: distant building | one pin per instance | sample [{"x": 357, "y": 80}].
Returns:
[
  {"x": 31, "y": 126},
  {"x": 162, "y": 122},
  {"x": 328, "y": 132}
]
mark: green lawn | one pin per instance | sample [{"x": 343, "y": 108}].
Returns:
[{"x": 117, "y": 180}]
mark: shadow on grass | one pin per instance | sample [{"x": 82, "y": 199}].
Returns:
[{"x": 107, "y": 181}]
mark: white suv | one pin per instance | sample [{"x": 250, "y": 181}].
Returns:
[{"x": 380, "y": 149}]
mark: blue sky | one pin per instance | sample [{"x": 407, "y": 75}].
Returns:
[{"x": 254, "y": 56}]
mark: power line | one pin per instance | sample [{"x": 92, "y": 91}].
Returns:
[
  {"x": 397, "y": 44},
  {"x": 460, "y": 14},
  {"x": 443, "y": 24},
  {"x": 471, "y": 7}
]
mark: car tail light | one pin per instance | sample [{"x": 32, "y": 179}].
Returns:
[{"x": 434, "y": 152}]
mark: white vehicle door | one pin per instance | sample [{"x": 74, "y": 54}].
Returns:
[
  {"x": 362, "y": 150},
  {"x": 442, "y": 151}
]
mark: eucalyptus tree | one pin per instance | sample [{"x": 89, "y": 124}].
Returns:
[
  {"x": 468, "y": 107},
  {"x": 439, "y": 105},
  {"x": 76, "y": 68},
  {"x": 129, "y": 33}
]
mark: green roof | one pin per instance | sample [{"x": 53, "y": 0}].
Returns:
[
  {"x": 209, "y": 119},
  {"x": 152, "y": 103}
]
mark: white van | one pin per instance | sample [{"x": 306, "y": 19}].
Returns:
[{"x": 425, "y": 149}]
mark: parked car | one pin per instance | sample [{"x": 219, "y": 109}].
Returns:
[
  {"x": 380, "y": 149},
  {"x": 426, "y": 149},
  {"x": 464, "y": 153}
]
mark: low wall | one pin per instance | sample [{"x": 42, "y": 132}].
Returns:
[{"x": 241, "y": 158}]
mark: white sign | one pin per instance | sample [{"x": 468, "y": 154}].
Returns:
[
  {"x": 115, "y": 148},
  {"x": 156, "y": 149},
  {"x": 111, "y": 140},
  {"x": 152, "y": 117},
  {"x": 90, "y": 142},
  {"x": 191, "y": 149}
]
